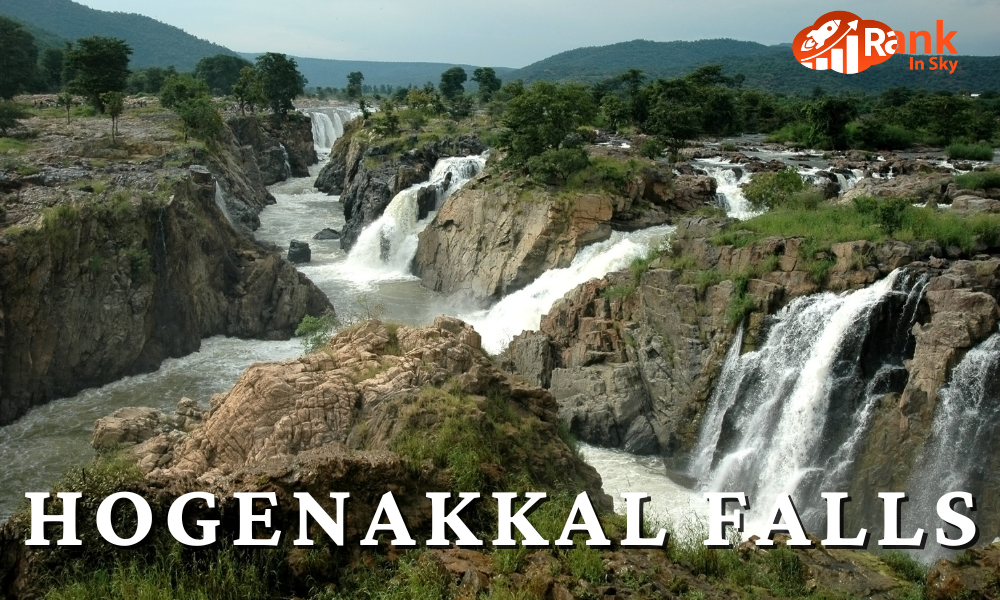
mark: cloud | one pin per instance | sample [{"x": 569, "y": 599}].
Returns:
[{"x": 518, "y": 32}]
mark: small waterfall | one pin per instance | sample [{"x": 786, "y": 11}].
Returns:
[
  {"x": 288, "y": 165},
  {"x": 386, "y": 248},
  {"x": 787, "y": 418},
  {"x": 729, "y": 179},
  {"x": 964, "y": 434},
  {"x": 328, "y": 126},
  {"x": 523, "y": 310},
  {"x": 220, "y": 201}
]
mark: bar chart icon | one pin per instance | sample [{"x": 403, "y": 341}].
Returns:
[
  {"x": 842, "y": 42},
  {"x": 841, "y": 57}
]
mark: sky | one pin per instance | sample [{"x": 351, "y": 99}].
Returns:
[{"x": 515, "y": 33}]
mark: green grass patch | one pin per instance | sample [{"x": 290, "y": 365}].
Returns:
[
  {"x": 978, "y": 180},
  {"x": 981, "y": 151},
  {"x": 904, "y": 566},
  {"x": 11, "y": 145}
]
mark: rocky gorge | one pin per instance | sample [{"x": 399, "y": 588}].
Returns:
[{"x": 109, "y": 266}]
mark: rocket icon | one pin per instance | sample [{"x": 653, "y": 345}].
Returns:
[{"x": 816, "y": 38}]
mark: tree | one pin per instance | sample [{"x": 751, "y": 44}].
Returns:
[
  {"x": 200, "y": 118},
  {"x": 180, "y": 88},
  {"x": 354, "y": 80},
  {"x": 114, "y": 106},
  {"x": 542, "y": 117},
  {"x": 488, "y": 82},
  {"x": 100, "y": 65},
  {"x": 451, "y": 82},
  {"x": 248, "y": 90},
  {"x": 18, "y": 59},
  {"x": 280, "y": 81},
  {"x": 52, "y": 68},
  {"x": 65, "y": 100},
  {"x": 220, "y": 72},
  {"x": 828, "y": 118},
  {"x": 149, "y": 81},
  {"x": 10, "y": 114}
]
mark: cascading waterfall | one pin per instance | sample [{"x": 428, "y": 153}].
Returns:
[
  {"x": 220, "y": 201},
  {"x": 729, "y": 179},
  {"x": 523, "y": 310},
  {"x": 964, "y": 435},
  {"x": 328, "y": 126},
  {"x": 386, "y": 248},
  {"x": 787, "y": 417},
  {"x": 288, "y": 164}
]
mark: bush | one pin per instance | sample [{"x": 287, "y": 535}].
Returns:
[
  {"x": 970, "y": 152},
  {"x": 652, "y": 148},
  {"x": 887, "y": 214},
  {"x": 904, "y": 566},
  {"x": 978, "y": 180},
  {"x": 10, "y": 114},
  {"x": 557, "y": 165},
  {"x": 773, "y": 190},
  {"x": 181, "y": 88},
  {"x": 316, "y": 331},
  {"x": 200, "y": 118}
]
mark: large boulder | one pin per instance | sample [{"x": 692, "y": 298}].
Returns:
[{"x": 299, "y": 252}]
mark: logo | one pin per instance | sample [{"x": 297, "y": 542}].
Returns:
[{"x": 842, "y": 41}]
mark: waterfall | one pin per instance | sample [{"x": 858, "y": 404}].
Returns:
[
  {"x": 957, "y": 456},
  {"x": 523, "y": 310},
  {"x": 328, "y": 126},
  {"x": 386, "y": 248},
  {"x": 729, "y": 179},
  {"x": 220, "y": 201},
  {"x": 787, "y": 418},
  {"x": 288, "y": 165}
]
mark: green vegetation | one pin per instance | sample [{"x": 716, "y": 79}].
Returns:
[
  {"x": 978, "y": 180},
  {"x": 280, "y": 81},
  {"x": 903, "y": 565},
  {"x": 220, "y": 72},
  {"x": 248, "y": 90},
  {"x": 488, "y": 81},
  {"x": 771, "y": 190},
  {"x": 316, "y": 331},
  {"x": 10, "y": 114},
  {"x": 156, "y": 44},
  {"x": 100, "y": 65},
  {"x": 18, "y": 59},
  {"x": 970, "y": 152},
  {"x": 540, "y": 118},
  {"x": 180, "y": 88},
  {"x": 114, "y": 106}
]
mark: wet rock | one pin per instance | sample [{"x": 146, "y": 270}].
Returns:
[
  {"x": 530, "y": 356},
  {"x": 327, "y": 234},
  {"x": 299, "y": 252},
  {"x": 640, "y": 438},
  {"x": 975, "y": 205},
  {"x": 130, "y": 426}
]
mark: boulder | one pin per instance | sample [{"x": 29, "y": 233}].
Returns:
[
  {"x": 299, "y": 252},
  {"x": 327, "y": 234},
  {"x": 130, "y": 426}
]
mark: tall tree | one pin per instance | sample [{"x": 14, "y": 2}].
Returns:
[
  {"x": 101, "y": 65},
  {"x": 542, "y": 117},
  {"x": 52, "y": 68},
  {"x": 114, "y": 106},
  {"x": 180, "y": 88},
  {"x": 354, "y": 80},
  {"x": 280, "y": 80},
  {"x": 220, "y": 72},
  {"x": 18, "y": 59},
  {"x": 488, "y": 82},
  {"x": 248, "y": 90},
  {"x": 451, "y": 82}
]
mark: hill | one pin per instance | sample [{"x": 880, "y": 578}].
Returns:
[
  {"x": 43, "y": 38},
  {"x": 333, "y": 73},
  {"x": 772, "y": 68},
  {"x": 153, "y": 43}
]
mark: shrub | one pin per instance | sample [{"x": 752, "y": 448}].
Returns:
[
  {"x": 316, "y": 331},
  {"x": 978, "y": 180},
  {"x": 904, "y": 566},
  {"x": 200, "y": 118},
  {"x": 10, "y": 114},
  {"x": 557, "y": 165},
  {"x": 652, "y": 148},
  {"x": 887, "y": 214},
  {"x": 981, "y": 151},
  {"x": 773, "y": 190}
]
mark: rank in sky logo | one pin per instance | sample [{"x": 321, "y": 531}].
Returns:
[{"x": 843, "y": 42}]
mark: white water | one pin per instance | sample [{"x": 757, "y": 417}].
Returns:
[
  {"x": 328, "y": 125},
  {"x": 523, "y": 310},
  {"x": 729, "y": 186},
  {"x": 288, "y": 165},
  {"x": 385, "y": 249},
  {"x": 775, "y": 404},
  {"x": 220, "y": 201}
]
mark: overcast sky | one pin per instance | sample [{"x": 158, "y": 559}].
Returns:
[{"x": 514, "y": 33}]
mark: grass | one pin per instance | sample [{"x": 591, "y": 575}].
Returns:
[
  {"x": 11, "y": 145},
  {"x": 904, "y": 566},
  {"x": 978, "y": 180},
  {"x": 981, "y": 151}
]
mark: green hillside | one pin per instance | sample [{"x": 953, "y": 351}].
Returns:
[
  {"x": 43, "y": 38},
  {"x": 772, "y": 68},
  {"x": 153, "y": 43},
  {"x": 333, "y": 73}
]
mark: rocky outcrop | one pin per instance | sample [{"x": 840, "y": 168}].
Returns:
[
  {"x": 368, "y": 175},
  {"x": 282, "y": 146},
  {"x": 103, "y": 287},
  {"x": 633, "y": 355},
  {"x": 495, "y": 237}
]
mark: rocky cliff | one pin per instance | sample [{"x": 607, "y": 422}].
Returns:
[
  {"x": 106, "y": 270},
  {"x": 495, "y": 236},
  {"x": 367, "y": 173},
  {"x": 633, "y": 359}
]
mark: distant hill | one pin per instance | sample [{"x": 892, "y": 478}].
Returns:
[
  {"x": 772, "y": 68},
  {"x": 43, "y": 38},
  {"x": 333, "y": 73},
  {"x": 153, "y": 43}
]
